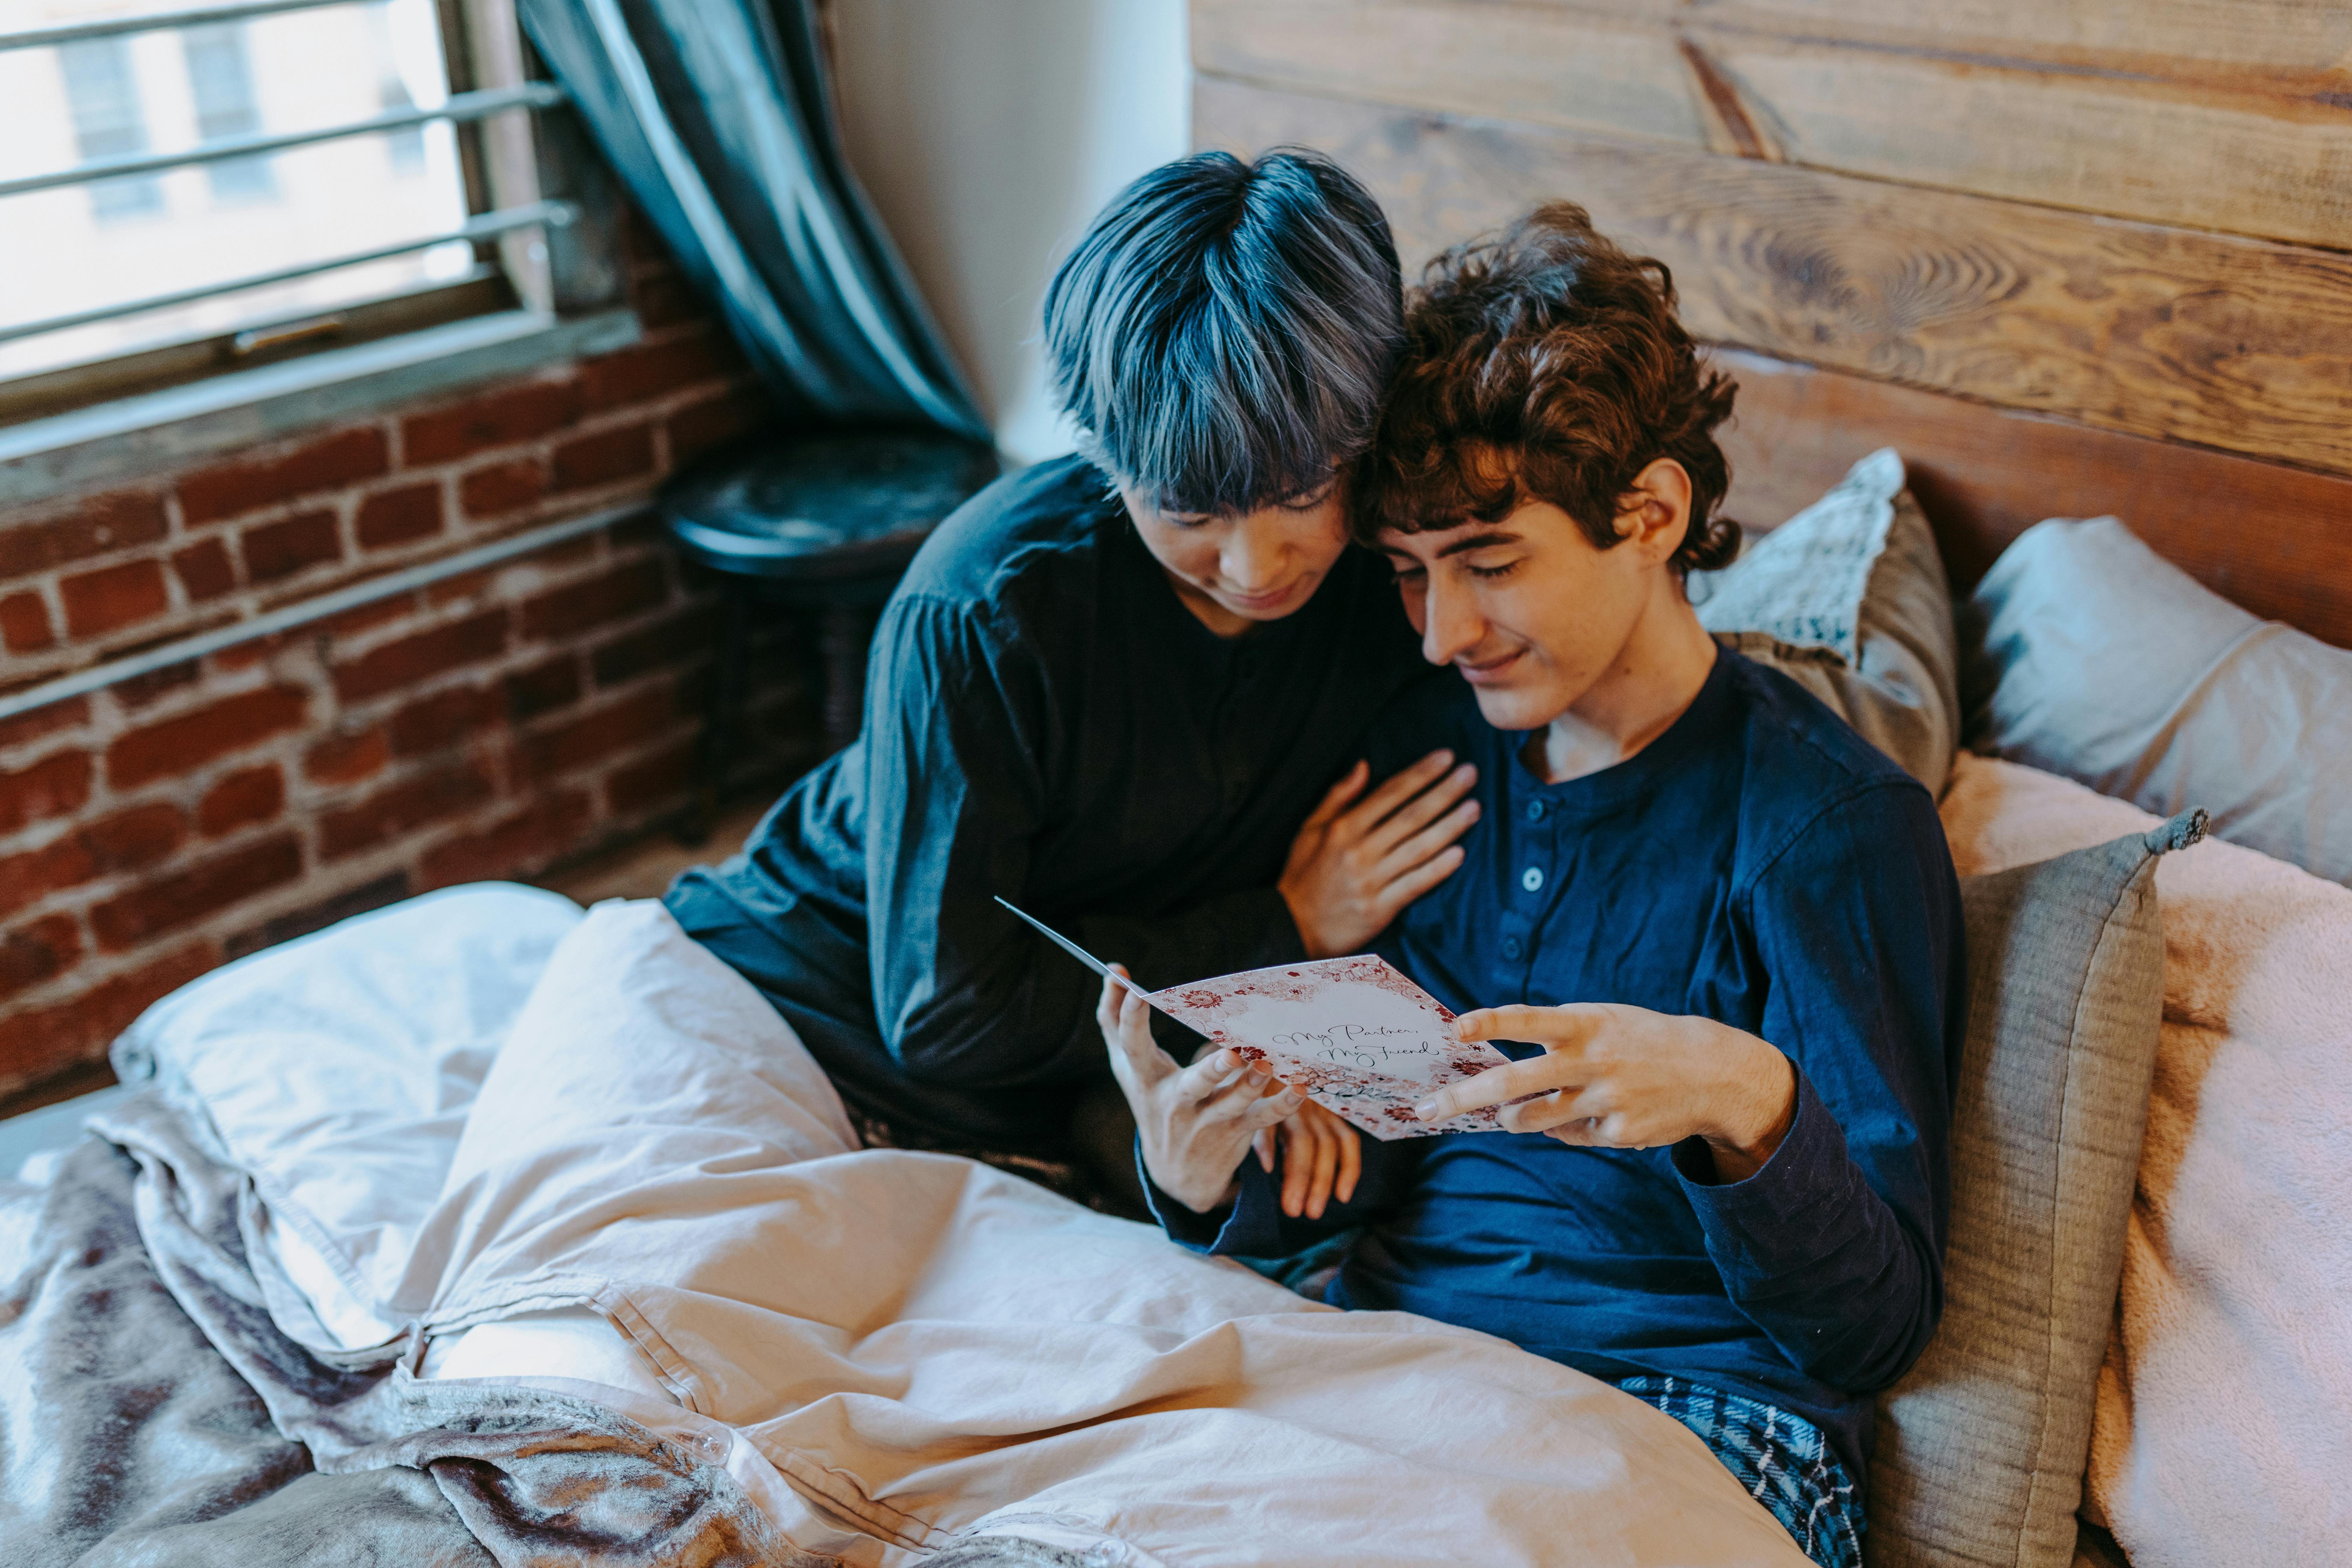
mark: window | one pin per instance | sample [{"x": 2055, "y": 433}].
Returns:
[
  {"x": 107, "y": 123},
  {"x": 220, "y": 82},
  {"x": 270, "y": 179}
]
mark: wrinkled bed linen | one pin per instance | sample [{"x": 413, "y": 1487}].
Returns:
[
  {"x": 2221, "y": 1435},
  {"x": 927, "y": 1352},
  {"x": 154, "y": 1414}
]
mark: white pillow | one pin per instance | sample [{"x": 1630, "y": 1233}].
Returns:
[
  {"x": 338, "y": 1070},
  {"x": 1849, "y": 599},
  {"x": 2092, "y": 657}
]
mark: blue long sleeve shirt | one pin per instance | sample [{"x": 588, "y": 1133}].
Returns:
[{"x": 1758, "y": 864}]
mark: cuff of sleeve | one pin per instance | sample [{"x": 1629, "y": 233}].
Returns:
[
  {"x": 1269, "y": 914},
  {"x": 1810, "y": 1163},
  {"x": 1249, "y": 1225}
]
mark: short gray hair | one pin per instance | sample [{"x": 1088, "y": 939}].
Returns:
[{"x": 1223, "y": 331}]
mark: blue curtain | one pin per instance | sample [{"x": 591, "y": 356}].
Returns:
[{"x": 717, "y": 116}]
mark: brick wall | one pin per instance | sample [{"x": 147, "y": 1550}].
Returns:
[{"x": 486, "y": 726}]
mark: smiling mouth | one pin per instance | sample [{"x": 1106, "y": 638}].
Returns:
[
  {"x": 1264, "y": 601},
  {"x": 1490, "y": 671}
]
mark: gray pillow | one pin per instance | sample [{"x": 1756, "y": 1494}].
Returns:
[
  {"x": 2092, "y": 657},
  {"x": 1979, "y": 1450},
  {"x": 1848, "y": 598}
]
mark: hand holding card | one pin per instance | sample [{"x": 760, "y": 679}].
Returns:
[{"x": 1354, "y": 1035}]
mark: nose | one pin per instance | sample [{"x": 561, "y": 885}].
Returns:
[
  {"x": 1254, "y": 557},
  {"x": 1449, "y": 620}
]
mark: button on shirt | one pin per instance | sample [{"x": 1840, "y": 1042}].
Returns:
[{"x": 1758, "y": 864}]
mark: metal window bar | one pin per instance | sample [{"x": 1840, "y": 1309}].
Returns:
[
  {"x": 303, "y": 611},
  {"x": 489, "y": 226},
  {"x": 461, "y": 106},
  {"x": 115, "y": 27}
]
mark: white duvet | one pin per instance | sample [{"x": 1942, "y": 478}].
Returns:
[{"x": 640, "y": 1187}]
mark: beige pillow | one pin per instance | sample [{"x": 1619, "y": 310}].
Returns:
[
  {"x": 1849, "y": 599},
  {"x": 1979, "y": 1451}
]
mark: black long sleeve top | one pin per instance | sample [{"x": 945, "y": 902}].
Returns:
[{"x": 1045, "y": 721}]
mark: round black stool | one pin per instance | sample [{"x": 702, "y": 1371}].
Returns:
[{"x": 822, "y": 525}]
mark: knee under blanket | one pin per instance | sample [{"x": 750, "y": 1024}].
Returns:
[{"x": 925, "y": 1350}]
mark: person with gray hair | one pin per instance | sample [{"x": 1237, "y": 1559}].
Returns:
[{"x": 1117, "y": 689}]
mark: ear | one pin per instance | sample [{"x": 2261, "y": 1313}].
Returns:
[{"x": 1654, "y": 515}]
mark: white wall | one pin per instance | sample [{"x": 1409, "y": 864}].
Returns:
[{"x": 987, "y": 132}]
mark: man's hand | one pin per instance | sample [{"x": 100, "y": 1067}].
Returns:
[
  {"x": 1196, "y": 1123},
  {"x": 1625, "y": 1078},
  {"x": 1321, "y": 1156},
  {"x": 1352, "y": 868}
]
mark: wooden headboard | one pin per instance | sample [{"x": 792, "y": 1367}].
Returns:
[{"x": 2069, "y": 256}]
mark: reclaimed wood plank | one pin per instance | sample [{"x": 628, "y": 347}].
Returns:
[
  {"x": 2274, "y": 539},
  {"x": 2289, "y": 43},
  {"x": 2263, "y": 156},
  {"x": 2235, "y": 343}
]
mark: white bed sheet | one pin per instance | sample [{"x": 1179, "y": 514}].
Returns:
[{"x": 891, "y": 1348}]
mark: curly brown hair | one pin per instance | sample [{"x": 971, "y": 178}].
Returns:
[{"x": 1545, "y": 364}]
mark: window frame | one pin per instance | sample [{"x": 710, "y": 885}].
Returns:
[{"x": 96, "y": 422}]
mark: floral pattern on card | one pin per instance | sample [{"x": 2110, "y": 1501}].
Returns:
[{"x": 1354, "y": 1035}]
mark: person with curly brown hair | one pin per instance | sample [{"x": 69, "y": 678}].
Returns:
[{"x": 1719, "y": 934}]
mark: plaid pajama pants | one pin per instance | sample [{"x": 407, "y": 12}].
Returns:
[{"x": 1781, "y": 1459}]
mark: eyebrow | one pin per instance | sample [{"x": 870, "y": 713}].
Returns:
[{"x": 1493, "y": 536}]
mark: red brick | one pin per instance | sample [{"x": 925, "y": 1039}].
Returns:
[
  {"x": 362, "y": 618},
  {"x": 496, "y": 487},
  {"x": 406, "y": 661},
  {"x": 181, "y": 745},
  {"x": 40, "y": 721},
  {"x": 659, "y": 780},
  {"x": 112, "y": 598},
  {"x": 24, "y": 623},
  {"x": 442, "y": 719},
  {"x": 240, "y": 800},
  {"x": 92, "y": 526},
  {"x": 39, "y": 951},
  {"x": 678, "y": 639},
  {"x": 348, "y": 759},
  {"x": 43, "y": 1042},
  {"x": 56, "y": 785},
  {"x": 410, "y": 804},
  {"x": 606, "y": 457},
  {"x": 621, "y": 727},
  {"x": 141, "y": 689},
  {"x": 568, "y": 611},
  {"x": 544, "y": 687},
  {"x": 245, "y": 655},
  {"x": 274, "y": 549},
  {"x": 230, "y": 489},
  {"x": 496, "y": 419},
  {"x": 400, "y": 517},
  {"x": 164, "y": 903},
  {"x": 699, "y": 427},
  {"x": 518, "y": 845},
  {"x": 205, "y": 569},
  {"x": 36, "y": 874},
  {"x": 139, "y": 837},
  {"x": 647, "y": 370}
]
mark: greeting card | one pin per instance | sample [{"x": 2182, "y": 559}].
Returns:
[{"x": 1351, "y": 1033}]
